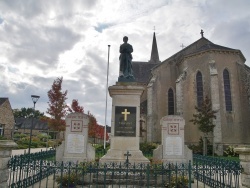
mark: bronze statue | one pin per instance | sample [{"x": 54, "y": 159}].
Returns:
[{"x": 126, "y": 72}]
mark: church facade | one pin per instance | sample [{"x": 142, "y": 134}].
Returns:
[{"x": 181, "y": 82}]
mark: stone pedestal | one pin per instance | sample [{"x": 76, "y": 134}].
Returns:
[
  {"x": 244, "y": 154},
  {"x": 76, "y": 148},
  {"x": 125, "y": 124},
  {"x": 6, "y": 147},
  {"x": 173, "y": 149}
]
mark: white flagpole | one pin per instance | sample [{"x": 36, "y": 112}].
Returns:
[{"x": 105, "y": 128}]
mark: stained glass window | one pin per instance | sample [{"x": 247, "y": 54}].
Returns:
[
  {"x": 227, "y": 90},
  {"x": 199, "y": 87},
  {"x": 170, "y": 102}
]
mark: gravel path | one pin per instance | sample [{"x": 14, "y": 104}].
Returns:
[{"x": 23, "y": 151}]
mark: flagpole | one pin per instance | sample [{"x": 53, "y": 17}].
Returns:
[{"x": 105, "y": 128}]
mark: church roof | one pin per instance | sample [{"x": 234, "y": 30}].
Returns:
[
  {"x": 2, "y": 100},
  {"x": 209, "y": 45},
  {"x": 154, "y": 52},
  {"x": 198, "y": 46},
  {"x": 142, "y": 71}
]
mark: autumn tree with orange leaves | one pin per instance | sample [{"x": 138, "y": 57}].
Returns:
[
  {"x": 75, "y": 107},
  {"x": 57, "y": 106}
]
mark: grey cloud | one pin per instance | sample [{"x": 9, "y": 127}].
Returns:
[
  {"x": 38, "y": 43},
  {"x": 234, "y": 34},
  {"x": 33, "y": 8}
]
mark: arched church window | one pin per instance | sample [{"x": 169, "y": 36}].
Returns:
[
  {"x": 170, "y": 102},
  {"x": 227, "y": 91},
  {"x": 199, "y": 87}
]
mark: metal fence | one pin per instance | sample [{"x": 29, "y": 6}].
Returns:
[
  {"x": 216, "y": 172},
  {"x": 34, "y": 171},
  {"x": 27, "y": 169}
]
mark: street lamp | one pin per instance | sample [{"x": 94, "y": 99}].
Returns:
[{"x": 34, "y": 99}]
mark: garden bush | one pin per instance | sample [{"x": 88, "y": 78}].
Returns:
[
  {"x": 2, "y": 138},
  {"x": 229, "y": 152},
  {"x": 148, "y": 147},
  {"x": 198, "y": 148}
]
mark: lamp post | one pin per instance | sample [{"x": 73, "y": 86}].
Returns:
[{"x": 34, "y": 99}]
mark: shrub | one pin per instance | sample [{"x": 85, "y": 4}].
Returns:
[
  {"x": 148, "y": 147},
  {"x": 19, "y": 136},
  {"x": 67, "y": 179},
  {"x": 180, "y": 181},
  {"x": 52, "y": 143},
  {"x": 2, "y": 138},
  {"x": 229, "y": 152},
  {"x": 198, "y": 149},
  {"x": 99, "y": 147},
  {"x": 44, "y": 137}
]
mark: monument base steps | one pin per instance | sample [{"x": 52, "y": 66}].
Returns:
[
  {"x": 118, "y": 156},
  {"x": 129, "y": 180}
]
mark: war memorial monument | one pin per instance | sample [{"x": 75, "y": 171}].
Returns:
[{"x": 125, "y": 135}]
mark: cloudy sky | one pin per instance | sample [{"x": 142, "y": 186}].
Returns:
[{"x": 41, "y": 40}]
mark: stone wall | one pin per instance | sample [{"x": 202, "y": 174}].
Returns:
[
  {"x": 6, "y": 147},
  {"x": 7, "y": 118},
  {"x": 244, "y": 154}
]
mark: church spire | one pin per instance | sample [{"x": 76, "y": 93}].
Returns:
[{"x": 154, "y": 52}]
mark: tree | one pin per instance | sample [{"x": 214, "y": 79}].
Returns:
[
  {"x": 75, "y": 107},
  {"x": 57, "y": 106},
  {"x": 27, "y": 113},
  {"x": 204, "y": 117},
  {"x": 93, "y": 126}
]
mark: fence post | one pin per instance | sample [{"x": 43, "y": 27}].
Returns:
[
  {"x": 244, "y": 154},
  {"x": 6, "y": 147}
]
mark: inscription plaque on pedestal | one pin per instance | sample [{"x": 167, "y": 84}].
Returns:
[
  {"x": 173, "y": 146},
  {"x": 75, "y": 143},
  {"x": 125, "y": 121}
]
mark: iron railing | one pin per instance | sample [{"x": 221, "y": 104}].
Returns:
[
  {"x": 59, "y": 174},
  {"x": 41, "y": 170},
  {"x": 216, "y": 172},
  {"x": 27, "y": 169}
]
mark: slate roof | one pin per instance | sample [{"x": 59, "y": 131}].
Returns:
[
  {"x": 25, "y": 123},
  {"x": 2, "y": 100},
  {"x": 198, "y": 46},
  {"x": 209, "y": 45},
  {"x": 154, "y": 52},
  {"x": 142, "y": 71}
]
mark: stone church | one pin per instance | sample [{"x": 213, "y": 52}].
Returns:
[{"x": 181, "y": 82}]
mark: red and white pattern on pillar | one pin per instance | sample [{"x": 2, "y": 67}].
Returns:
[{"x": 173, "y": 128}]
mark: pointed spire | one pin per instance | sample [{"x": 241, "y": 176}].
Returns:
[{"x": 154, "y": 52}]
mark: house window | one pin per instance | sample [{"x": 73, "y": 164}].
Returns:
[
  {"x": 1, "y": 130},
  {"x": 227, "y": 91},
  {"x": 199, "y": 87},
  {"x": 170, "y": 102}
]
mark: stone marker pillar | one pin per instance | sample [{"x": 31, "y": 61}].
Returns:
[
  {"x": 125, "y": 124},
  {"x": 172, "y": 148},
  {"x": 6, "y": 147},
  {"x": 76, "y": 148},
  {"x": 244, "y": 152}
]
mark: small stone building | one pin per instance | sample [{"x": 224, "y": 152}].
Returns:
[
  {"x": 7, "y": 120},
  {"x": 23, "y": 125},
  {"x": 181, "y": 82}
]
